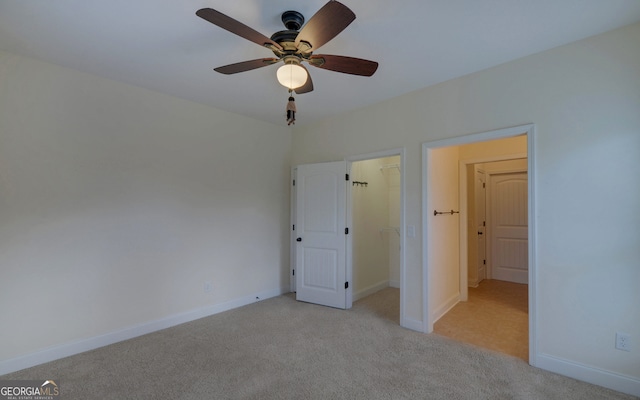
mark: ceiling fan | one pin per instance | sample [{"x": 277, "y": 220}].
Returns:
[{"x": 294, "y": 46}]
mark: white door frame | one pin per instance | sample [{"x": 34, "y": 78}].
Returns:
[
  {"x": 529, "y": 130},
  {"x": 292, "y": 232},
  {"x": 370, "y": 156}
]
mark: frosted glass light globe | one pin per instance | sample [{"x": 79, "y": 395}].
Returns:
[{"x": 292, "y": 76}]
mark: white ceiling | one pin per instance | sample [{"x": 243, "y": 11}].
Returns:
[{"x": 163, "y": 46}]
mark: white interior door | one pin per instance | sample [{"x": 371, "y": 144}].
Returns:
[
  {"x": 321, "y": 273},
  {"x": 508, "y": 224}
]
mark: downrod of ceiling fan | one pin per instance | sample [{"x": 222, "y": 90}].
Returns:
[{"x": 292, "y": 20}]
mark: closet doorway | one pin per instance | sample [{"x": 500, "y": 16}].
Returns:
[{"x": 376, "y": 241}]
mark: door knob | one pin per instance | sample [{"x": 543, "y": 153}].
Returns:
[
  {"x": 479, "y": 233},
  {"x": 299, "y": 240}
]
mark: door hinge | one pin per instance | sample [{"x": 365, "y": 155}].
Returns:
[
  {"x": 346, "y": 285},
  {"x": 484, "y": 223},
  {"x": 294, "y": 182},
  {"x": 294, "y": 227},
  {"x": 483, "y": 185},
  {"x": 484, "y": 262},
  {"x": 346, "y": 231},
  {"x": 294, "y": 272},
  {"x": 346, "y": 177}
]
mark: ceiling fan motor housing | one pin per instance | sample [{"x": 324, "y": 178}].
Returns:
[{"x": 293, "y": 21}]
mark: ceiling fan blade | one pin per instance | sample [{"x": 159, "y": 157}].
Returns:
[
  {"x": 233, "y": 26},
  {"x": 245, "y": 66},
  {"x": 346, "y": 65},
  {"x": 326, "y": 24},
  {"x": 308, "y": 85}
]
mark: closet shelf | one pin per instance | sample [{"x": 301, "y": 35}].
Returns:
[
  {"x": 390, "y": 166},
  {"x": 391, "y": 228}
]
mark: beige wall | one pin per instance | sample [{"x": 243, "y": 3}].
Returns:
[
  {"x": 117, "y": 204},
  {"x": 497, "y": 167},
  {"x": 444, "y": 241},
  {"x": 584, "y": 99},
  {"x": 494, "y": 148}
]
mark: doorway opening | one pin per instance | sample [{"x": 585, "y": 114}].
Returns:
[
  {"x": 375, "y": 243},
  {"x": 451, "y": 241},
  {"x": 376, "y": 250},
  {"x": 495, "y": 313}
]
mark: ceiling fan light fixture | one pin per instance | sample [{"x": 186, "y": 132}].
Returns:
[
  {"x": 292, "y": 76},
  {"x": 295, "y": 45}
]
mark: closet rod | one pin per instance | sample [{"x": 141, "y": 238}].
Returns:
[{"x": 435, "y": 212}]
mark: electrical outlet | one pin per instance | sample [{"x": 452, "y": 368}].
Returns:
[
  {"x": 623, "y": 341},
  {"x": 208, "y": 287}
]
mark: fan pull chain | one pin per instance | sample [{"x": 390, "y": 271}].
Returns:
[{"x": 291, "y": 109}]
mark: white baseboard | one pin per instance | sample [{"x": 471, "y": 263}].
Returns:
[
  {"x": 445, "y": 307},
  {"x": 370, "y": 290},
  {"x": 80, "y": 346},
  {"x": 412, "y": 324},
  {"x": 572, "y": 369}
]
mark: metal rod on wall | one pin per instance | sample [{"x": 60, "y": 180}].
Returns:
[{"x": 435, "y": 212}]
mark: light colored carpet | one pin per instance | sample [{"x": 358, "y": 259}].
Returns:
[
  {"x": 495, "y": 317},
  {"x": 284, "y": 349}
]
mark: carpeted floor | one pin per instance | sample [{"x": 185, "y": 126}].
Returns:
[{"x": 283, "y": 349}]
